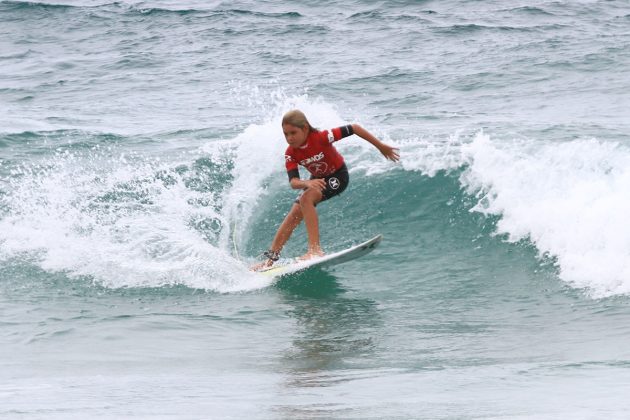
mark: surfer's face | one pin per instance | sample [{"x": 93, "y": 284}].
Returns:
[{"x": 295, "y": 136}]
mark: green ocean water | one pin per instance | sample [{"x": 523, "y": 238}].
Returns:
[{"x": 141, "y": 172}]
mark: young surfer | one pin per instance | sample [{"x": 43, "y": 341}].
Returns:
[{"x": 314, "y": 150}]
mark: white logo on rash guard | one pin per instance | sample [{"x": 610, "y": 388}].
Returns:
[
  {"x": 334, "y": 183},
  {"x": 318, "y": 168},
  {"x": 331, "y": 137},
  {"x": 312, "y": 159}
]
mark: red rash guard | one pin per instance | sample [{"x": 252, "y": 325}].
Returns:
[{"x": 317, "y": 155}]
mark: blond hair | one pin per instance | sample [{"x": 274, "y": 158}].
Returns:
[{"x": 298, "y": 119}]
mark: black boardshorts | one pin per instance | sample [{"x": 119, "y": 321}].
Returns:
[{"x": 336, "y": 183}]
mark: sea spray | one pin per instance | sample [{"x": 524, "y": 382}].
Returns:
[{"x": 119, "y": 218}]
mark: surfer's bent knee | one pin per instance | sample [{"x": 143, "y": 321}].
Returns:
[{"x": 310, "y": 198}]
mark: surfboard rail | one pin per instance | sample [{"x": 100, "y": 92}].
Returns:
[{"x": 293, "y": 265}]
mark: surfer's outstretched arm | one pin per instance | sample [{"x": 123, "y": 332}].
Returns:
[{"x": 390, "y": 153}]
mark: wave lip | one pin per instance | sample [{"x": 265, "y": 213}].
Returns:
[{"x": 569, "y": 199}]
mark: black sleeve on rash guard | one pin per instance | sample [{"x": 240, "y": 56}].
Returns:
[
  {"x": 293, "y": 173},
  {"x": 346, "y": 130}
]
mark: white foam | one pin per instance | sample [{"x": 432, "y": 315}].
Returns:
[
  {"x": 59, "y": 211},
  {"x": 568, "y": 198}
]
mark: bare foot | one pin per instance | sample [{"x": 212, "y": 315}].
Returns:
[
  {"x": 310, "y": 255},
  {"x": 262, "y": 265}
]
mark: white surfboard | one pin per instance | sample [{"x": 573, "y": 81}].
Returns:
[{"x": 293, "y": 265}]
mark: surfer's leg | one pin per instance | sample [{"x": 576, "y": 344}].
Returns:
[
  {"x": 308, "y": 200},
  {"x": 290, "y": 222}
]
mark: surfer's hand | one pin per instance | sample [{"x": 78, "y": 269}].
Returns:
[
  {"x": 317, "y": 184},
  {"x": 390, "y": 153}
]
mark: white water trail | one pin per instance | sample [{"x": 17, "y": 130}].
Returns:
[
  {"x": 126, "y": 220},
  {"x": 122, "y": 220}
]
